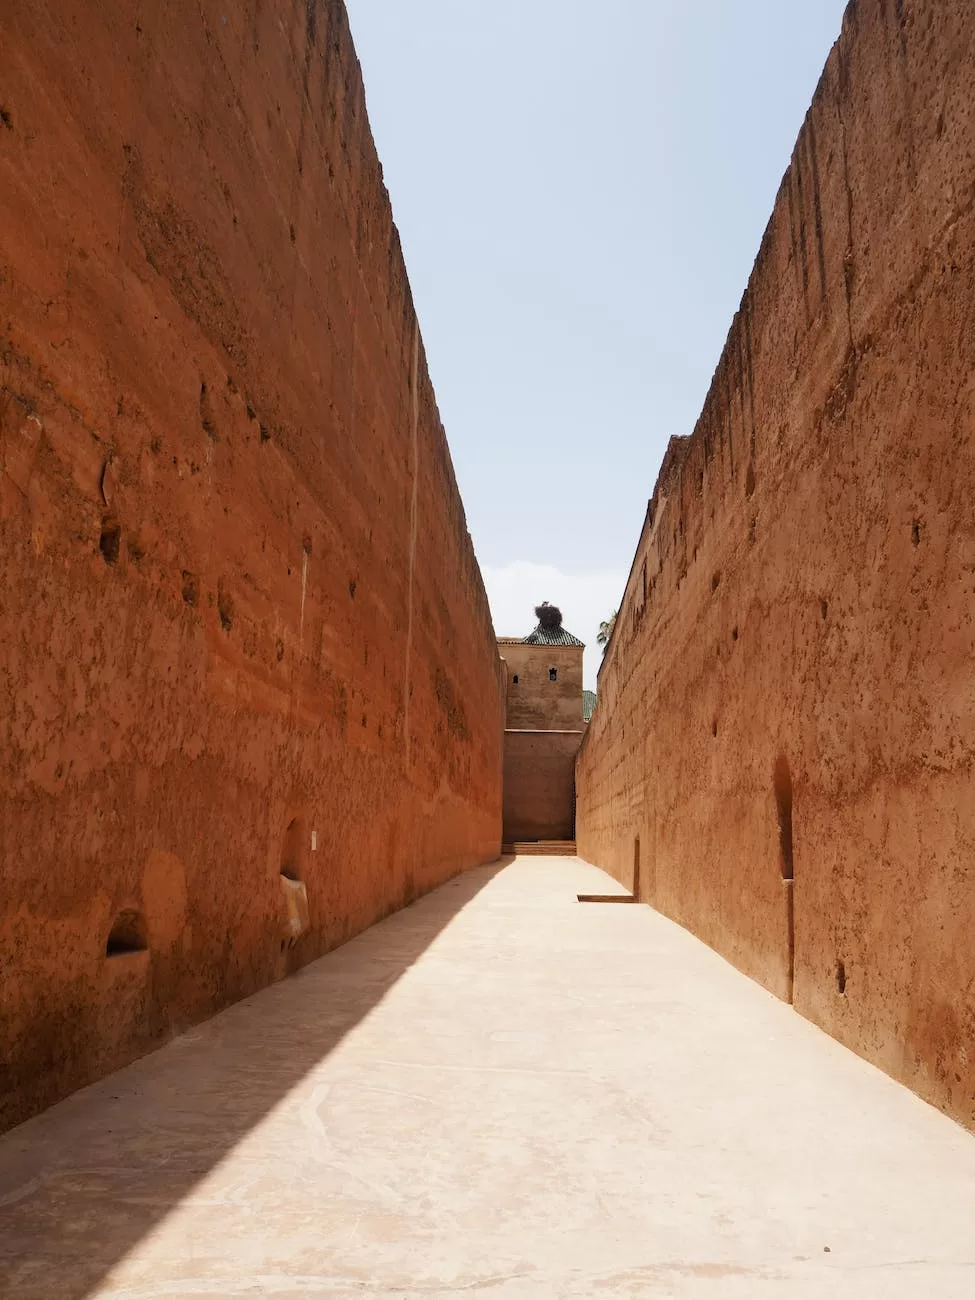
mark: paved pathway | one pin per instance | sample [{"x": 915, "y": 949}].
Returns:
[{"x": 499, "y": 1092}]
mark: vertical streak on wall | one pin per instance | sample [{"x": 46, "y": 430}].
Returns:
[{"x": 414, "y": 425}]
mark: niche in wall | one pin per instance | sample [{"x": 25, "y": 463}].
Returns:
[
  {"x": 782, "y": 784},
  {"x": 294, "y": 849},
  {"x": 128, "y": 934}
]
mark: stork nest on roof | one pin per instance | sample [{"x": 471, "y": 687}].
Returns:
[{"x": 549, "y": 616}]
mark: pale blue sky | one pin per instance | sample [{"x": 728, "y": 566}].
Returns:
[{"x": 580, "y": 190}]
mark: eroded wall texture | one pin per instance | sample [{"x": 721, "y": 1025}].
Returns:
[
  {"x": 244, "y": 634},
  {"x": 787, "y": 706}
]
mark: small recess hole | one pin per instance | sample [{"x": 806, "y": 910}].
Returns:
[
  {"x": 292, "y": 852},
  {"x": 206, "y": 413},
  {"x": 110, "y": 541},
  {"x": 916, "y": 533},
  {"x": 225, "y": 607},
  {"x": 840, "y": 978},
  {"x": 782, "y": 786},
  {"x": 128, "y": 935}
]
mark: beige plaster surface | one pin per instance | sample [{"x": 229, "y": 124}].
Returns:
[{"x": 499, "y": 1091}]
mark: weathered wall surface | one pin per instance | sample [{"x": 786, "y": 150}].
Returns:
[
  {"x": 243, "y": 628},
  {"x": 789, "y": 688},
  {"x": 539, "y": 785},
  {"x": 535, "y": 701}
]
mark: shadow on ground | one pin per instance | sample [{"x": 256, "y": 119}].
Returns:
[{"x": 135, "y": 1143}]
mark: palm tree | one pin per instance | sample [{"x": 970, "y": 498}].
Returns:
[{"x": 606, "y": 630}]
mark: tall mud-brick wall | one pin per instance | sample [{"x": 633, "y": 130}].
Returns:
[
  {"x": 249, "y": 686},
  {"x": 785, "y": 738}
]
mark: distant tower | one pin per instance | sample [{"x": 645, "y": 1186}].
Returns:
[
  {"x": 544, "y": 726},
  {"x": 544, "y": 675}
]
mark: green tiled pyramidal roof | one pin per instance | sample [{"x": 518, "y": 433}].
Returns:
[{"x": 551, "y": 636}]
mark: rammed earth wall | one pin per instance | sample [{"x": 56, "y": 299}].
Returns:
[
  {"x": 789, "y": 691},
  {"x": 242, "y": 629}
]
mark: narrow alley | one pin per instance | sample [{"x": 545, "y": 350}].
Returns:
[{"x": 498, "y": 1091}]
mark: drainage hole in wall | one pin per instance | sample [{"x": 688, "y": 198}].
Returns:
[
  {"x": 714, "y": 727},
  {"x": 110, "y": 541},
  {"x": 916, "y": 532},
  {"x": 734, "y": 633},
  {"x": 127, "y": 935},
  {"x": 824, "y": 609},
  {"x": 840, "y": 978}
]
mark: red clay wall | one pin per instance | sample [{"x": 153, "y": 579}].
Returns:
[
  {"x": 800, "y": 609},
  {"x": 539, "y": 785},
  {"x": 237, "y": 591}
]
